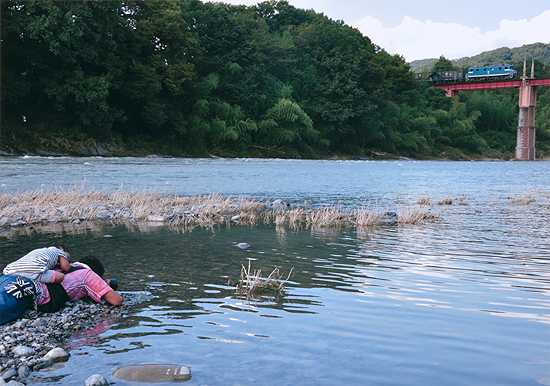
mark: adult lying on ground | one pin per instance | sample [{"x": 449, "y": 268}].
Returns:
[
  {"x": 83, "y": 279},
  {"x": 17, "y": 293}
]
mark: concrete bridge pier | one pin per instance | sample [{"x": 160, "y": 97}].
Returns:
[{"x": 525, "y": 147}]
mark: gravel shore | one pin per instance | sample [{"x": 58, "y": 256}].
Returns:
[{"x": 37, "y": 340}]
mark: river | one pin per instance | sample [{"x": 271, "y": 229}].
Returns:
[{"x": 460, "y": 300}]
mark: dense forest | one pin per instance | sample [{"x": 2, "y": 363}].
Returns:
[{"x": 188, "y": 78}]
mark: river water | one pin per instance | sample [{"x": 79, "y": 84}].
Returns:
[{"x": 463, "y": 300}]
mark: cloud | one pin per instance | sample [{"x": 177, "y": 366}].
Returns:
[{"x": 416, "y": 39}]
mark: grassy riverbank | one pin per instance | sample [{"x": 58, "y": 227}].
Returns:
[{"x": 76, "y": 206}]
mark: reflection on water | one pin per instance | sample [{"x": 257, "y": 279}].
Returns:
[
  {"x": 387, "y": 305},
  {"x": 464, "y": 300}
]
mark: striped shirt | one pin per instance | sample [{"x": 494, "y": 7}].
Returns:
[
  {"x": 36, "y": 261},
  {"x": 79, "y": 284}
]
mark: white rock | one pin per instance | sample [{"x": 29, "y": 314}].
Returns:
[
  {"x": 155, "y": 218},
  {"x": 96, "y": 380},
  {"x": 57, "y": 355},
  {"x": 14, "y": 383},
  {"x": 22, "y": 351},
  {"x": 243, "y": 245}
]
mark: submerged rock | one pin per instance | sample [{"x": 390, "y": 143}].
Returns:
[{"x": 153, "y": 373}]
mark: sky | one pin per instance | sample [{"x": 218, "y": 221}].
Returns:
[{"x": 425, "y": 29}]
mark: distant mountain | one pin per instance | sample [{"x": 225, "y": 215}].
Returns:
[{"x": 541, "y": 51}]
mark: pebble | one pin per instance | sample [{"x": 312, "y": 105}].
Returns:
[
  {"x": 96, "y": 380},
  {"x": 14, "y": 383},
  {"x": 22, "y": 351},
  {"x": 9, "y": 374},
  {"x": 23, "y": 371}
]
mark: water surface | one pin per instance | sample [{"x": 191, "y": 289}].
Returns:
[{"x": 462, "y": 300}]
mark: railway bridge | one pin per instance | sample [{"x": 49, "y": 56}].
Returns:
[{"x": 525, "y": 145}]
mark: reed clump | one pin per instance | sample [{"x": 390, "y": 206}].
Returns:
[
  {"x": 524, "y": 199},
  {"x": 415, "y": 216},
  {"x": 423, "y": 201},
  {"x": 251, "y": 284}
]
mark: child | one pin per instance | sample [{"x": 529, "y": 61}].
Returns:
[{"x": 38, "y": 264}]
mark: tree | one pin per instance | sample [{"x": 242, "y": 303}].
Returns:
[{"x": 54, "y": 55}]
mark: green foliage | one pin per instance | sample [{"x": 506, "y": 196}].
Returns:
[
  {"x": 192, "y": 78},
  {"x": 443, "y": 64}
]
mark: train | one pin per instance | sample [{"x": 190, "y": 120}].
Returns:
[{"x": 502, "y": 71}]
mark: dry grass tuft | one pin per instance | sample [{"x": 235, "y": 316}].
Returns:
[
  {"x": 415, "y": 216},
  {"x": 328, "y": 216},
  {"x": 365, "y": 217},
  {"x": 445, "y": 201},
  {"x": 423, "y": 201},
  {"x": 525, "y": 199},
  {"x": 252, "y": 283},
  {"x": 462, "y": 201}
]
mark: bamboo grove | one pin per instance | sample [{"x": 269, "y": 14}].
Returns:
[{"x": 190, "y": 78}]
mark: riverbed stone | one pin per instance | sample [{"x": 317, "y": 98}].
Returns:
[
  {"x": 96, "y": 380},
  {"x": 42, "y": 364},
  {"x": 22, "y": 351},
  {"x": 9, "y": 374},
  {"x": 153, "y": 373},
  {"x": 57, "y": 355},
  {"x": 23, "y": 371},
  {"x": 14, "y": 383}
]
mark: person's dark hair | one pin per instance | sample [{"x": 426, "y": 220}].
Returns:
[
  {"x": 60, "y": 246},
  {"x": 94, "y": 263}
]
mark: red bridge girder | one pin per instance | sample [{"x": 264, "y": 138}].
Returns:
[{"x": 493, "y": 85}]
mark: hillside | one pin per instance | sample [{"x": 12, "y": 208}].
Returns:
[{"x": 541, "y": 52}]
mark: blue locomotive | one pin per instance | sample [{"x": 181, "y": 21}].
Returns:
[
  {"x": 502, "y": 71},
  {"x": 492, "y": 72}
]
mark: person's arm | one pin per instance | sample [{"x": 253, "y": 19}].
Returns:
[
  {"x": 112, "y": 297},
  {"x": 64, "y": 263}
]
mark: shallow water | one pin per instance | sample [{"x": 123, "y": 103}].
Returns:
[{"x": 463, "y": 300}]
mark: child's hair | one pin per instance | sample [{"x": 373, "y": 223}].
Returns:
[
  {"x": 60, "y": 246},
  {"x": 94, "y": 263}
]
